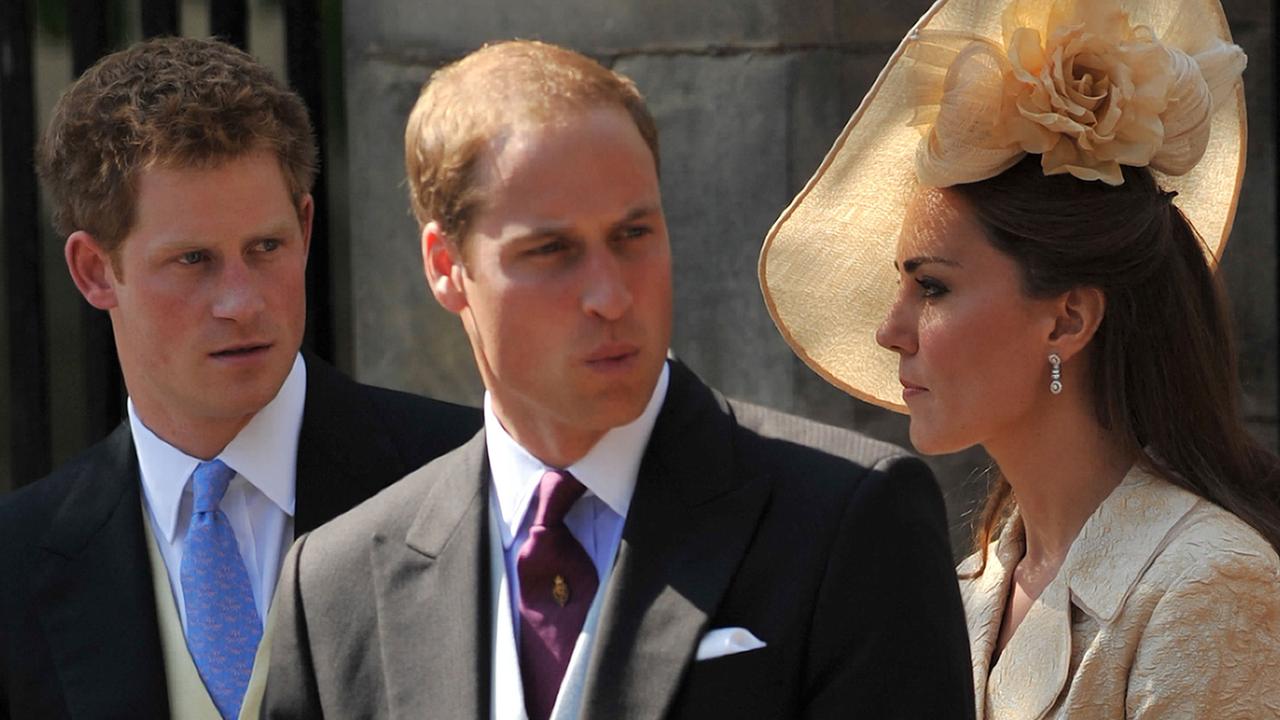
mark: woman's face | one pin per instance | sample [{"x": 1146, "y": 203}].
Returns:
[{"x": 972, "y": 346}]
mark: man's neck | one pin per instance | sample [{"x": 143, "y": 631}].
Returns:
[
  {"x": 560, "y": 444},
  {"x": 200, "y": 438},
  {"x": 557, "y": 447}
]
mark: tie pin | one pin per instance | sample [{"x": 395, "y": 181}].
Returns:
[{"x": 560, "y": 591}]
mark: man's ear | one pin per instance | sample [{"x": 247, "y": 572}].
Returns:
[
  {"x": 442, "y": 264},
  {"x": 1079, "y": 313},
  {"x": 306, "y": 216},
  {"x": 91, "y": 270}
]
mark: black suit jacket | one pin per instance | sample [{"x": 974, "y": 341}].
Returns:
[
  {"x": 78, "y": 630},
  {"x": 837, "y": 558}
]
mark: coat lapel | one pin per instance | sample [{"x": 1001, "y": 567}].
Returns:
[
  {"x": 1043, "y": 642},
  {"x": 690, "y": 520},
  {"x": 432, "y": 593},
  {"x": 984, "y": 599},
  {"x": 97, "y": 607},
  {"x": 1121, "y": 540}
]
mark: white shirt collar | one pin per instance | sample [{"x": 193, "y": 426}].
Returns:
[
  {"x": 609, "y": 470},
  {"x": 264, "y": 453}
]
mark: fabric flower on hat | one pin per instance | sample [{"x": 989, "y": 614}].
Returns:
[
  {"x": 1088, "y": 86},
  {"x": 1073, "y": 81}
]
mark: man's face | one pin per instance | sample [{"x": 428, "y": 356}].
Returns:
[
  {"x": 566, "y": 289},
  {"x": 209, "y": 304}
]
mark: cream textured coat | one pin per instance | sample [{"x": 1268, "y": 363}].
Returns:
[{"x": 1167, "y": 606}]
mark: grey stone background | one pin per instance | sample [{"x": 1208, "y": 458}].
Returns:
[{"x": 748, "y": 97}]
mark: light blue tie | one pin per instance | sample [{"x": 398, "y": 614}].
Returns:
[{"x": 223, "y": 627}]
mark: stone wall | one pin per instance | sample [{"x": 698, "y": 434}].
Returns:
[{"x": 748, "y": 96}]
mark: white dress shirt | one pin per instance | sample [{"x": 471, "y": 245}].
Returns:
[
  {"x": 259, "y": 502},
  {"x": 608, "y": 471}
]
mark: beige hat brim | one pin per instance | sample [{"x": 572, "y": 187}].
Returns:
[{"x": 826, "y": 268}]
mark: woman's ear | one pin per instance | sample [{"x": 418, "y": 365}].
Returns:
[
  {"x": 1079, "y": 313},
  {"x": 91, "y": 270},
  {"x": 442, "y": 265}
]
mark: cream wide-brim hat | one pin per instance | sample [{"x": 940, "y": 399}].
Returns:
[{"x": 826, "y": 268}]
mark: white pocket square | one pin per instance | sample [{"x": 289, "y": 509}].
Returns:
[{"x": 726, "y": 641}]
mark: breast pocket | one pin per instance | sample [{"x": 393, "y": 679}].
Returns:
[{"x": 742, "y": 685}]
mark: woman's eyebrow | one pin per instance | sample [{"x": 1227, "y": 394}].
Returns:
[{"x": 913, "y": 264}]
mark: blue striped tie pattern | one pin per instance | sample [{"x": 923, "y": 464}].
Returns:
[{"x": 223, "y": 626}]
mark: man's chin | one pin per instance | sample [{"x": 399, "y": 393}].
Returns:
[{"x": 243, "y": 396}]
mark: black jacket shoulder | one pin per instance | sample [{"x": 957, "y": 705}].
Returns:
[
  {"x": 426, "y": 427},
  {"x": 92, "y": 481}
]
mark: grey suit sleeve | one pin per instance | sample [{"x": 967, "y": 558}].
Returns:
[
  {"x": 291, "y": 679},
  {"x": 888, "y": 635}
]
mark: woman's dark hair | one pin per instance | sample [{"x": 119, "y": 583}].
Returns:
[{"x": 1163, "y": 360}]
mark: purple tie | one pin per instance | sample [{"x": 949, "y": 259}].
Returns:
[{"x": 557, "y": 584}]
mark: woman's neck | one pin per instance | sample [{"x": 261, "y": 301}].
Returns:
[{"x": 1061, "y": 468}]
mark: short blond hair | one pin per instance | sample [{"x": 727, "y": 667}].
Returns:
[{"x": 466, "y": 104}]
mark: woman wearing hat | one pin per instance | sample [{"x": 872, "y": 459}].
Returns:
[{"x": 1038, "y": 278}]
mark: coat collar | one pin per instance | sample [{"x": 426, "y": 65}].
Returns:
[
  {"x": 1117, "y": 544},
  {"x": 1121, "y": 540}
]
